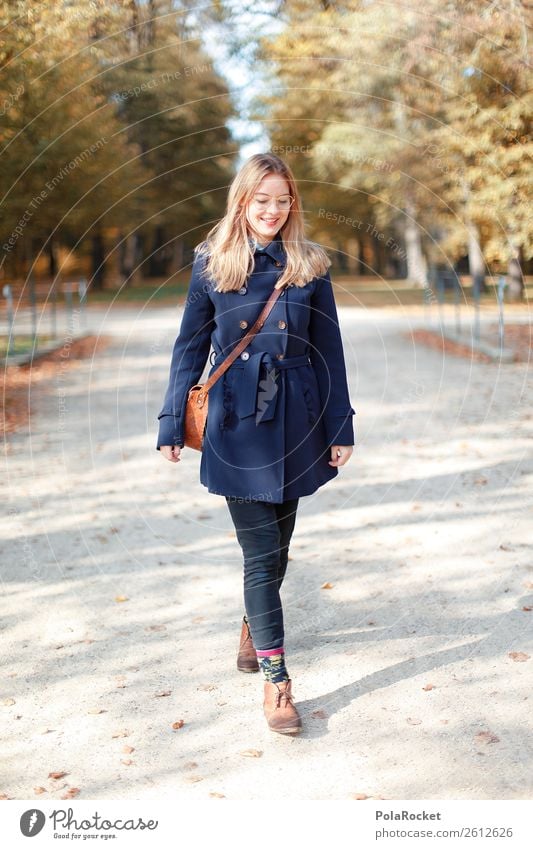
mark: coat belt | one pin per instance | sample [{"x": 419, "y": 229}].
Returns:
[{"x": 249, "y": 400}]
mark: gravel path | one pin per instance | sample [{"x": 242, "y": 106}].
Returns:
[{"x": 122, "y": 590}]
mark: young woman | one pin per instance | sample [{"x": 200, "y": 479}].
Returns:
[{"x": 279, "y": 420}]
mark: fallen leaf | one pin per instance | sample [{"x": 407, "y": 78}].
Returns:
[
  {"x": 251, "y": 753},
  {"x": 39, "y": 790},
  {"x": 120, "y": 598},
  {"x": 96, "y": 710},
  {"x": 327, "y": 586},
  {"x": 484, "y": 737},
  {"x": 217, "y": 795},
  {"x": 413, "y": 721},
  {"x": 8, "y": 702},
  {"x": 57, "y": 775},
  {"x": 46, "y": 730},
  {"x": 193, "y": 778},
  {"x": 128, "y": 750},
  {"x": 518, "y": 656},
  {"x": 481, "y": 481},
  {"x": 429, "y": 687},
  {"x": 358, "y": 796},
  {"x": 124, "y": 733},
  {"x": 126, "y": 761},
  {"x": 161, "y": 693},
  {"x": 3, "y": 796},
  {"x": 320, "y": 714},
  {"x": 207, "y": 687},
  {"x": 71, "y": 793},
  {"x": 179, "y": 724},
  {"x": 527, "y": 607}
]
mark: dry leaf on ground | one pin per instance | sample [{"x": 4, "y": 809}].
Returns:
[
  {"x": 179, "y": 724},
  {"x": 251, "y": 753},
  {"x": 518, "y": 656},
  {"x": 484, "y": 737}
]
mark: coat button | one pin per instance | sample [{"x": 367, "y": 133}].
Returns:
[
  {"x": 242, "y": 290},
  {"x": 243, "y": 324},
  {"x": 245, "y": 355},
  {"x": 282, "y": 325},
  {"x": 279, "y": 356},
  {"x": 278, "y": 264}
]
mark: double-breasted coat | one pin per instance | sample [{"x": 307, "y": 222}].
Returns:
[{"x": 275, "y": 413}]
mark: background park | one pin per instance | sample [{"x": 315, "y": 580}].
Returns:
[{"x": 408, "y": 127}]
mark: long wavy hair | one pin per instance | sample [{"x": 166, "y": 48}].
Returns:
[{"x": 230, "y": 255}]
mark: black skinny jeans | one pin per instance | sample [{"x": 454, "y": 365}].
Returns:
[{"x": 264, "y": 532}]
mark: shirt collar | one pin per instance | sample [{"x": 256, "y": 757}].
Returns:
[{"x": 274, "y": 248}]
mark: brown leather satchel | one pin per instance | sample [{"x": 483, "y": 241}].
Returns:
[{"x": 197, "y": 399}]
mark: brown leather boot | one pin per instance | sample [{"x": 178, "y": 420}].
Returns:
[
  {"x": 279, "y": 709},
  {"x": 247, "y": 658}
]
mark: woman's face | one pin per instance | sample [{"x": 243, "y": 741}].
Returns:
[{"x": 266, "y": 213}]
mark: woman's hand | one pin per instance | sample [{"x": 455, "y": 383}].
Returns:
[
  {"x": 171, "y": 452},
  {"x": 340, "y": 454}
]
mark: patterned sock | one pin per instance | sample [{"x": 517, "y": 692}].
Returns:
[{"x": 272, "y": 662}]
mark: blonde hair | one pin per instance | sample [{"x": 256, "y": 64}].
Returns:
[{"x": 230, "y": 256}]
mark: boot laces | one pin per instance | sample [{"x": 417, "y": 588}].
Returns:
[{"x": 283, "y": 694}]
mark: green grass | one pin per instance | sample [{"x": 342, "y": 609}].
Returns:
[{"x": 22, "y": 344}]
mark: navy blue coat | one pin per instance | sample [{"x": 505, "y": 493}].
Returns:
[{"x": 275, "y": 413}]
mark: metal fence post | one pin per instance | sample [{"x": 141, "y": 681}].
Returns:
[
  {"x": 502, "y": 283},
  {"x": 8, "y": 295},
  {"x": 82, "y": 294}
]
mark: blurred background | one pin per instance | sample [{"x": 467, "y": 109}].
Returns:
[{"x": 122, "y": 123}]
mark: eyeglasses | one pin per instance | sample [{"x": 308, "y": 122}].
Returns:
[{"x": 263, "y": 201}]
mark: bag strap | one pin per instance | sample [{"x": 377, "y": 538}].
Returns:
[{"x": 224, "y": 366}]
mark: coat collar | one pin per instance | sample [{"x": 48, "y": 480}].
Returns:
[{"x": 274, "y": 248}]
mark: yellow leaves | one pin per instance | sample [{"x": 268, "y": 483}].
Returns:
[
  {"x": 216, "y": 795},
  {"x": 327, "y": 586},
  {"x": 178, "y": 724},
  {"x": 57, "y": 775},
  {"x": 128, "y": 750},
  {"x": 251, "y": 753},
  {"x": 7, "y": 702},
  {"x": 123, "y": 733},
  {"x": 39, "y": 790},
  {"x": 120, "y": 598}
]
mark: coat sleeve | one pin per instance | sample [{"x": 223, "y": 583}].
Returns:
[
  {"x": 189, "y": 355},
  {"x": 327, "y": 357}
]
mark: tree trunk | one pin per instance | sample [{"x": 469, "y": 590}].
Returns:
[
  {"x": 476, "y": 260},
  {"x": 515, "y": 277},
  {"x": 98, "y": 261},
  {"x": 416, "y": 261}
]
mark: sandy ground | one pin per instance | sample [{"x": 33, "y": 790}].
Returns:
[{"x": 122, "y": 590}]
